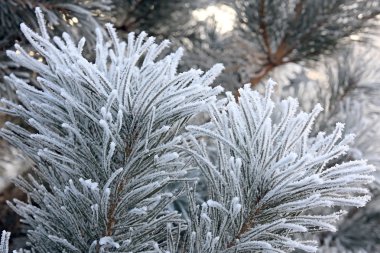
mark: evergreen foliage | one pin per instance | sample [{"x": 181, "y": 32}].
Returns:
[
  {"x": 292, "y": 31},
  {"x": 160, "y": 18},
  {"x": 59, "y": 17},
  {"x": 4, "y": 242},
  {"x": 114, "y": 148},
  {"x": 349, "y": 94},
  {"x": 74, "y": 16}
]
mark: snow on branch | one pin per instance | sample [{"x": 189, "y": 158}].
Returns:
[
  {"x": 103, "y": 139},
  {"x": 267, "y": 174},
  {"x": 114, "y": 150},
  {"x": 4, "y": 241}
]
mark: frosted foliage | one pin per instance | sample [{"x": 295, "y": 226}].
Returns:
[
  {"x": 114, "y": 150},
  {"x": 103, "y": 140},
  {"x": 267, "y": 174},
  {"x": 4, "y": 242}
]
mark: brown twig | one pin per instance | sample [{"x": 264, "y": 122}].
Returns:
[
  {"x": 248, "y": 224},
  {"x": 276, "y": 58}
]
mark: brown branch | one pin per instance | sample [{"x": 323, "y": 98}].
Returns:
[
  {"x": 273, "y": 59},
  {"x": 277, "y": 58},
  {"x": 250, "y": 221},
  {"x": 111, "y": 221},
  {"x": 261, "y": 73},
  {"x": 263, "y": 27},
  {"x": 111, "y": 212}
]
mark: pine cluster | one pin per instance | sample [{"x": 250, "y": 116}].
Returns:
[{"x": 126, "y": 163}]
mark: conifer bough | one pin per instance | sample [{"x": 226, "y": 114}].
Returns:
[
  {"x": 114, "y": 150},
  {"x": 291, "y": 31}
]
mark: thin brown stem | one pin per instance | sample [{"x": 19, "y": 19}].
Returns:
[
  {"x": 276, "y": 58},
  {"x": 261, "y": 74},
  {"x": 248, "y": 224}
]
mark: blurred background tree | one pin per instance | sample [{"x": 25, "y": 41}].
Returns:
[{"x": 318, "y": 50}]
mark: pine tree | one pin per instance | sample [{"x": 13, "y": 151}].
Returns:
[{"x": 115, "y": 145}]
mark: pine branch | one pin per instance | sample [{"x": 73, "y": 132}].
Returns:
[
  {"x": 349, "y": 95},
  {"x": 297, "y": 30},
  {"x": 59, "y": 17},
  {"x": 4, "y": 242},
  {"x": 163, "y": 19},
  {"x": 267, "y": 175},
  {"x": 74, "y": 16},
  {"x": 103, "y": 140}
]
